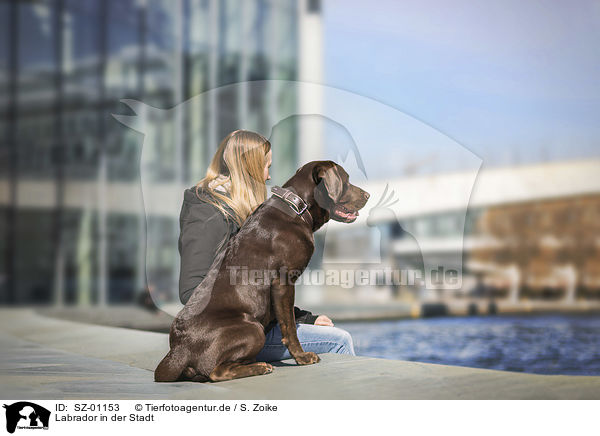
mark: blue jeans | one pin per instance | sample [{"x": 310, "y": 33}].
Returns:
[{"x": 316, "y": 338}]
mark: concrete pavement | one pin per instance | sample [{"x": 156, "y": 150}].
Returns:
[{"x": 46, "y": 358}]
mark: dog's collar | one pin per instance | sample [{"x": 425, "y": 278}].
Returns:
[{"x": 298, "y": 205}]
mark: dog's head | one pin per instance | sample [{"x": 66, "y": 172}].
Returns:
[{"x": 331, "y": 190}]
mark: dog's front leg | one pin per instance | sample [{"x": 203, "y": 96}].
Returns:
[{"x": 282, "y": 297}]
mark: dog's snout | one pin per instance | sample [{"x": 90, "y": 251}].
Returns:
[{"x": 366, "y": 194}]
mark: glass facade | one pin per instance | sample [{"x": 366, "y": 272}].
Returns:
[{"x": 71, "y": 218}]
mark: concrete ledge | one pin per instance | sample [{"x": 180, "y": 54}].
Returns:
[
  {"x": 45, "y": 358},
  {"x": 132, "y": 316}
]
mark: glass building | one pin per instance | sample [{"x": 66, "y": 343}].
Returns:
[{"x": 71, "y": 213}]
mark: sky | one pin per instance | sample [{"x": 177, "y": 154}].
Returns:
[{"x": 512, "y": 81}]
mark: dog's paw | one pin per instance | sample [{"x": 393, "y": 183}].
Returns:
[
  {"x": 307, "y": 358},
  {"x": 267, "y": 368}
]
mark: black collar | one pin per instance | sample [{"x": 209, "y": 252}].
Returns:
[{"x": 297, "y": 204}]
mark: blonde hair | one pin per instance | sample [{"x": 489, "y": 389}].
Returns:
[{"x": 240, "y": 159}]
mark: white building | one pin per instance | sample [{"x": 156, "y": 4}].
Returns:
[{"x": 432, "y": 225}]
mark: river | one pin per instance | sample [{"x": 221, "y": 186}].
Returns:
[{"x": 539, "y": 344}]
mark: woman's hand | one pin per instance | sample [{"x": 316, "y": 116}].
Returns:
[{"x": 323, "y": 320}]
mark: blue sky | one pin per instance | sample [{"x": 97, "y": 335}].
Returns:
[{"x": 512, "y": 81}]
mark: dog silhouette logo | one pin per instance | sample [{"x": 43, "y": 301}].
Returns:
[
  {"x": 352, "y": 140},
  {"x": 26, "y": 415}
]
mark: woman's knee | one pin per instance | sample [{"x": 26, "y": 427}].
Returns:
[
  {"x": 339, "y": 339},
  {"x": 345, "y": 340}
]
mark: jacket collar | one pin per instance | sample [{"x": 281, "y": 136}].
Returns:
[{"x": 201, "y": 196}]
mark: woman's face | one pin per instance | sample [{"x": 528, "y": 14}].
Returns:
[{"x": 268, "y": 165}]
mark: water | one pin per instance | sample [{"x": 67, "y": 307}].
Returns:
[{"x": 539, "y": 344}]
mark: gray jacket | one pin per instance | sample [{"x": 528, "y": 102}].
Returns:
[{"x": 203, "y": 229}]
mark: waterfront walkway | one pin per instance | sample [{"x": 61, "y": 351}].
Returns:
[{"x": 47, "y": 358}]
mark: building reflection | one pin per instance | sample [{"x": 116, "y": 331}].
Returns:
[{"x": 72, "y": 219}]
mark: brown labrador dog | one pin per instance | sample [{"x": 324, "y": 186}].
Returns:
[{"x": 219, "y": 332}]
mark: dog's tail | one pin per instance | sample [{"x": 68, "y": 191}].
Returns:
[{"x": 170, "y": 368}]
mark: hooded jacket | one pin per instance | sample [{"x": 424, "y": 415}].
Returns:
[{"x": 203, "y": 230}]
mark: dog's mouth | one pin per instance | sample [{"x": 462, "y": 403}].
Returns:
[{"x": 344, "y": 214}]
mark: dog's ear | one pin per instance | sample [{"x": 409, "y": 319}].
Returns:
[{"x": 327, "y": 178}]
